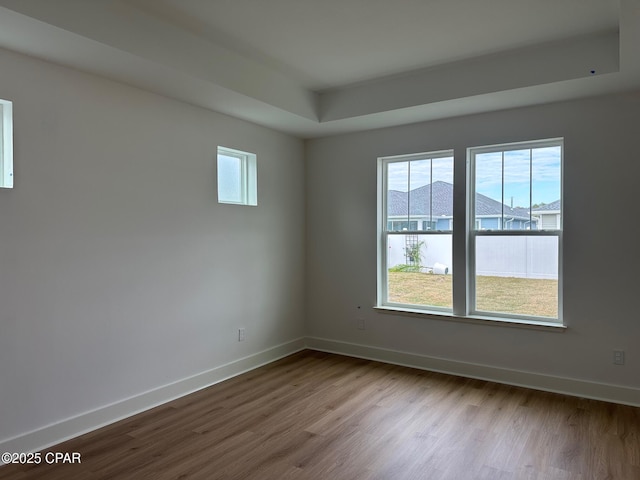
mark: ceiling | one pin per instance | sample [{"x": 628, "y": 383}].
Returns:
[
  {"x": 320, "y": 67},
  {"x": 332, "y": 43}
]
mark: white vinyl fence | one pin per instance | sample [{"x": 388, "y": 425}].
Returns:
[{"x": 521, "y": 256}]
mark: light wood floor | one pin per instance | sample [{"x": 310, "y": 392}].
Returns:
[{"x": 320, "y": 416}]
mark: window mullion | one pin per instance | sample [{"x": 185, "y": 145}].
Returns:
[
  {"x": 530, "y": 188},
  {"x": 461, "y": 220},
  {"x": 431, "y": 195},
  {"x": 408, "y": 195},
  {"x": 501, "y": 226},
  {"x": 470, "y": 294}
]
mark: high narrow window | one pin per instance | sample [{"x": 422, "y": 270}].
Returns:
[
  {"x": 237, "y": 177},
  {"x": 6, "y": 144},
  {"x": 416, "y": 236}
]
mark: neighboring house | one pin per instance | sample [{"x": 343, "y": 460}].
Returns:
[
  {"x": 548, "y": 216},
  {"x": 414, "y": 210}
]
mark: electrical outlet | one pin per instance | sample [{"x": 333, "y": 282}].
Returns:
[
  {"x": 618, "y": 357},
  {"x": 241, "y": 334}
]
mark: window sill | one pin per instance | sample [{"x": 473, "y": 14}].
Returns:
[{"x": 495, "y": 321}]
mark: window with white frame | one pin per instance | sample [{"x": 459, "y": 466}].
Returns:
[
  {"x": 514, "y": 264},
  {"x": 509, "y": 265},
  {"x": 237, "y": 177},
  {"x": 416, "y": 237},
  {"x": 6, "y": 144}
]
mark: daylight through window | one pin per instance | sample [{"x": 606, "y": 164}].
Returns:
[
  {"x": 509, "y": 266},
  {"x": 6, "y": 144},
  {"x": 237, "y": 177},
  {"x": 417, "y": 230},
  {"x": 515, "y": 237}
]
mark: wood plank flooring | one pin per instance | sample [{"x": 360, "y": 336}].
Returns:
[{"x": 320, "y": 416}]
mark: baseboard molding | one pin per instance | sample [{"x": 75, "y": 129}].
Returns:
[
  {"x": 59, "y": 432},
  {"x": 567, "y": 386}
]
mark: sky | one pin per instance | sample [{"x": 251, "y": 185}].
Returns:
[
  {"x": 420, "y": 173},
  {"x": 531, "y": 176},
  {"x": 229, "y": 178}
]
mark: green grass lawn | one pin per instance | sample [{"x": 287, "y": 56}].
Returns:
[{"x": 524, "y": 296}]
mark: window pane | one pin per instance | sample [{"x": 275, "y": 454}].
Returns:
[
  {"x": 488, "y": 187},
  {"x": 419, "y": 270},
  {"x": 420, "y": 190},
  {"x": 546, "y": 190},
  {"x": 517, "y": 275},
  {"x": 6, "y": 144},
  {"x": 442, "y": 194},
  {"x": 420, "y": 194},
  {"x": 397, "y": 196},
  {"x": 229, "y": 179},
  {"x": 517, "y": 190}
]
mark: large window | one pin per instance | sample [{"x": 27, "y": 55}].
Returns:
[
  {"x": 237, "y": 177},
  {"x": 515, "y": 260},
  {"x": 510, "y": 218},
  {"x": 6, "y": 144},
  {"x": 416, "y": 240}
]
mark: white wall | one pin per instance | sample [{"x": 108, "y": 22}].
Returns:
[
  {"x": 119, "y": 271},
  {"x": 600, "y": 291}
]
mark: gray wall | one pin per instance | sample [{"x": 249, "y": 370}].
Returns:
[
  {"x": 119, "y": 271},
  {"x": 601, "y": 261}
]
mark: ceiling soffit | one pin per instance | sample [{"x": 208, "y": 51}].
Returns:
[{"x": 119, "y": 41}]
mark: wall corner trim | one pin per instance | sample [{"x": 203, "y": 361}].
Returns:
[
  {"x": 50, "y": 435},
  {"x": 567, "y": 386}
]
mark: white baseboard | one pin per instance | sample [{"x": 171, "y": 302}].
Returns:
[
  {"x": 50, "y": 435},
  {"x": 567, "y": 386}
]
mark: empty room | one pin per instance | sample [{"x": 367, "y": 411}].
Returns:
[{"x": 305, "y": 239}]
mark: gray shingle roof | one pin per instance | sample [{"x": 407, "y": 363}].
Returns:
[
  {"x": 420, "y": 198},
  {"x": 548, "y": 207}
]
